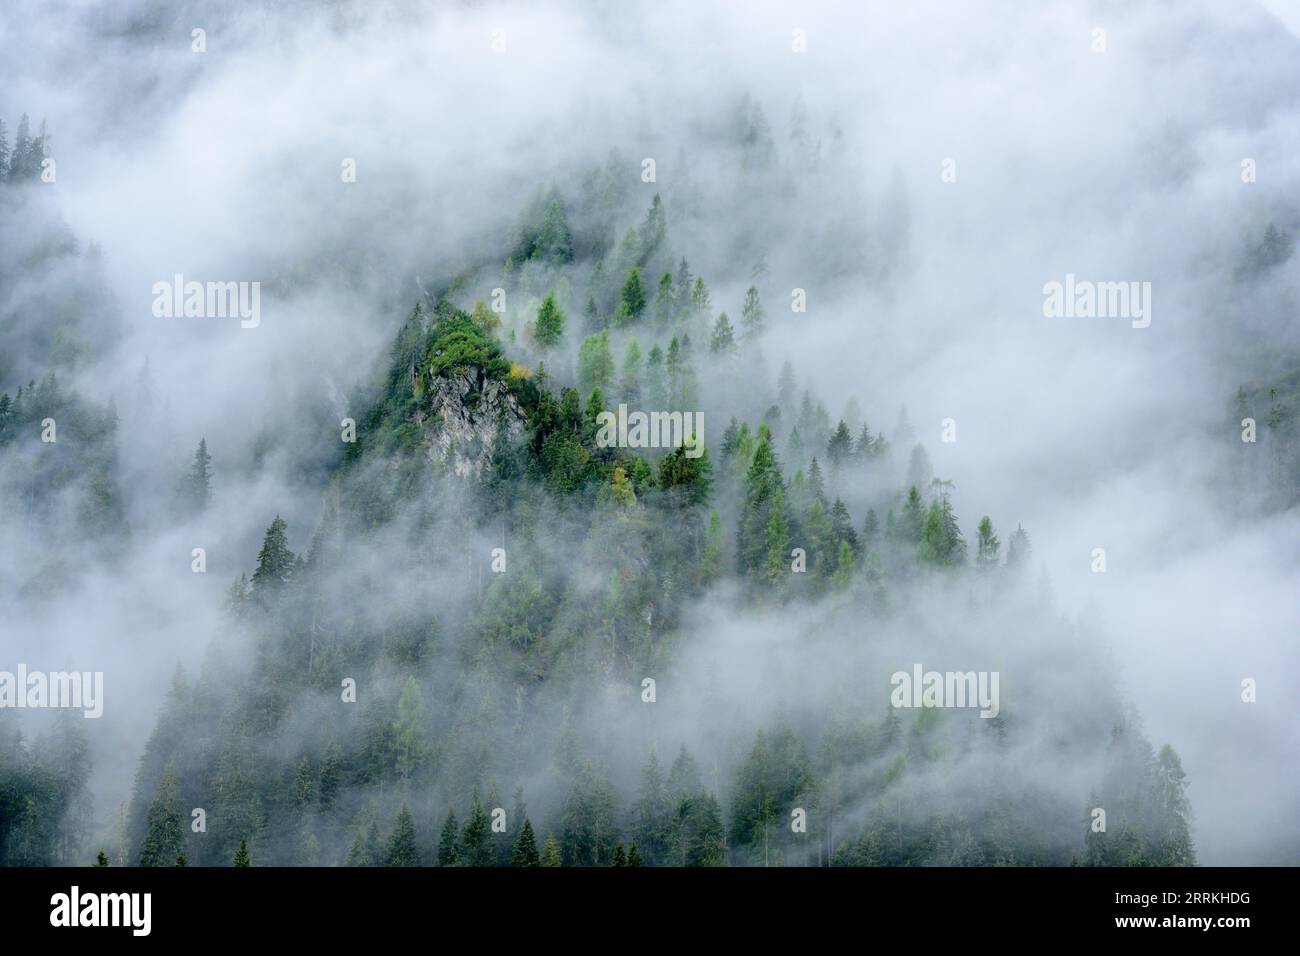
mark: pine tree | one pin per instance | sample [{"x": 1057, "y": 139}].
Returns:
[
  {"x": 631, "y": 300},
  {"x": 402, "y": 849},
  {"x": 554, "y": 244},
  {"x": 654, "y": 230},
  {"x": 101, "y": 859},
  {"x": 449, "y": 841},
  {"x": 475, "y": 844},
  {"x": 787, "y": 388},
  {"x": 551, "y": 855},
  {"x": 870, "y": 529},
  {"x": 651, "y": 810},
  {"x": 595, "y": 364},
  {"x": 682, "y": 294},
  {"x": 656, "y": 388},
  {"x": 275, "y": 562},
  {"x": 1018, "y": 550},
  {"x": 723, "y": 341},
  {"x": 525, "y": 851},
  {"x": 591, "y": 317},
  {"x": 700, "y": 298},
  {"x": 816, "y": 484},
  {"x": 763, "y": 484},
  {"x": 164, "y": 838},
  {"x": 633, "y": 857},
  {"x": 842, "y": 526},
  {"x": 197, "y": 487},
  {"x": 1174, "y": 830},
  {"x": 752, "y": 323},
  {"x": 987, "y": 546},
  {"x": 912, "y": 524},
  {"x": 630, "y": 384},
  {"x": 549, "y": 328},
  {"x": 620, "y": 858},
  {"x": 665, "y": 301},
  {"x": 776, "y": 562},
  {"x": 840, "y": 447},
  {"x": 241, "y": 855}
]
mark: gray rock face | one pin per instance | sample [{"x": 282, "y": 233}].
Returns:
[{"x": 465, "y": 409}]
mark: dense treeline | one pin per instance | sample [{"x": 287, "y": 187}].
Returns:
[
  {"x": 392, "y": 692},
  {"x": 461, "y": 700}
]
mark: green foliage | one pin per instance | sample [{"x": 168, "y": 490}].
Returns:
[
  {"x": 402, "y": 849},
  {"x": 525, "y": 849},
  {"x": 164, "y": 838},
  {"x": 549, "y": 330},
  {"x": 631, "y": 300},
  {"x": 595, "y": 363}
]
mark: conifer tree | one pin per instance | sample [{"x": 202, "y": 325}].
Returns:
[
  {"x": 525, "y": 851},
  {"x": 549, "y": 328},
  {"x": 402, "y": 849},
  {"x": 752, "y": 323},
  {"x": 630, "y": 384},
  {"x": 241, "y": 855},
  {"x": 449, "y": 841},
  {"x": 164, "y": 838},
  {"x": 665, "y": 304},
  {"x": 682, "y": 294},
  {"x": 762, "y": 485},
  {"x": 987, "y": 546},
  {"x": 475, "y": 844},
  {"x": 595, "y": 364},
  {"x": 631, "y": 300},
  {"x": 700, "y": 303},
  {"x": 275, "y": 562},
  {"x": 723, "y": 341},
  {"x": 197, "y": 487},
  {"x": 551, "y": 852},
  {"x": 840, "y": 447},
  {"x": 1018, "y": 550},
  {"x": 656, "y": 388}
]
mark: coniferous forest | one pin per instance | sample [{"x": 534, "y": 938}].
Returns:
[{"x": 378, "y": 569}]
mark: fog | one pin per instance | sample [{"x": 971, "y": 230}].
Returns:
[{"x": 924, "y": 291}]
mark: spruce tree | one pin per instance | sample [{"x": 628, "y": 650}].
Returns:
[
  {"x": 987, "y": 546},
  {"x": 752, "y": 323},
  {"x": 723, "y": 341},
  {"x": 549, "y": 328},
  {"x": 631, "y": 300},
  {"x": 551, "y": 855},
  {"x": 275, "y": 562},
  {"x": 402, "y": 849},
  {"x": 525, "y": 851},
  {"x": 164, "y": 838},
  {"x": 241, "y": 855},
  {"x": 476, "y": 840},
  {"x": 449, "y": 841},
  {"x": 197, "y": 486},
  {"x": 665, "y": 304}
]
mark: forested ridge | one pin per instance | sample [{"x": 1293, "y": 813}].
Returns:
[{"x": 463, "y": 637}]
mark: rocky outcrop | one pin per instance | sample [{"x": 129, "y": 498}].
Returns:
[{"x": 463, "y": 412}]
